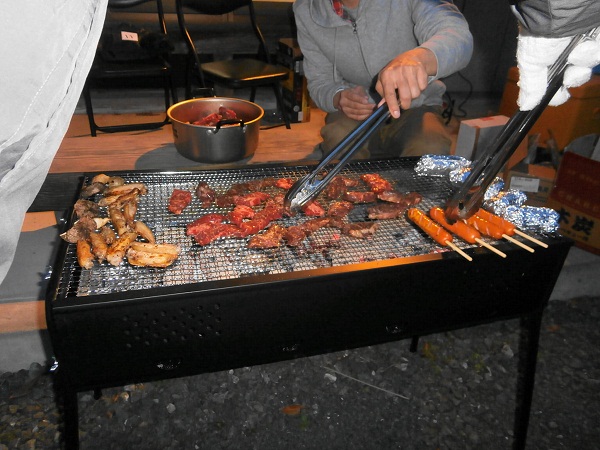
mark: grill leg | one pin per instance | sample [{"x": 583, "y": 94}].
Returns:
[
  {"x": 414, "y": 344},
  {"x": 67, "y": 403},
  {"x": 71, "y": 420},
  {"x": 528, "y": 349}
]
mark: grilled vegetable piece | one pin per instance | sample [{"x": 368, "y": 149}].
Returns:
[{"x": 152, "y": 255}]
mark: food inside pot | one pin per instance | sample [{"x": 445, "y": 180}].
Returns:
[{"x": 212, "y": 119}]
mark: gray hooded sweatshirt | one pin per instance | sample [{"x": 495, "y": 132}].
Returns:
[{"x": 340, "y": 54}]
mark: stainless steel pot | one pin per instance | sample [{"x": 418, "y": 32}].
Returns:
[{"x": 226, "y": 142}]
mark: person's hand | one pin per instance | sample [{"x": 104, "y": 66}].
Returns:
[
  {"x": 355, "y": 103},
  {"x": 536, "y": 54},
  {"x": 405, "y": 77}
]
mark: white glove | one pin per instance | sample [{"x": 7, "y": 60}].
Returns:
[{"x": 534, "y": 57}]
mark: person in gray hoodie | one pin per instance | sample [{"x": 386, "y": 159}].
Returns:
[{"x": 357, "y": 52}]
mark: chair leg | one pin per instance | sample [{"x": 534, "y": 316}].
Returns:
[
  {"x": 89, "y": 109},
  {"x": 279, "y": 96}
]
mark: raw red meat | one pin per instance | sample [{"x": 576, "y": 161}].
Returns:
[
  {"x": 239, "y": 213},
  {"x": 313, "y": 208},
  {"x": 205, "y": 193},
  {"x": 207, "y": 219},
  {"x": 179, "y": 200},
  {"x": 251, "y": 199}
]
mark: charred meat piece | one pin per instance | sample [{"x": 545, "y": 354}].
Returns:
[
  {"x": 360, "y": 230},
  {"x": 205, "y": 193},
  {"x": 340, "y": 209},
  {"x": 86, "y": 208},
  {"x": 313, "y": 208},
  {"x": 251, "y": 199},
  {"x": 80, "y": 230},
  {"x": 239, "y": 213},
  {"x": 179, "y": 200},
  {"x": 359, "y": 196},
  {"x": 269, "y": 239},
  {"x": 411, "y": 198},
  {"x": 387, "y": 210},
  {"x": 376, "y": 182},
  {"x": 414, "y": 198},
  {"x": 294, "y": 235},
  {"x": 349, "y": 182},
  {"x": 335, "y": 189},
  {"x": 310, "y": 226}
]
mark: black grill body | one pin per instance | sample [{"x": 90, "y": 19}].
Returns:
[{"x": 131, "y": 334}]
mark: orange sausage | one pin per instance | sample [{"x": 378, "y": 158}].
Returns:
[
  {"x": 436, "y": 232},
  {"x": 461, "y": 229},
  {"x": 485, "y": 227},
  {"x": 508, "y": 227}
]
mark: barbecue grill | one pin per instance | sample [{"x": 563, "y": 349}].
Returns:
[{"x": 225, "y": 306}]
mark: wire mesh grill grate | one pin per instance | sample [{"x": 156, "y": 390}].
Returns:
[{"x": 227, "y": 259}]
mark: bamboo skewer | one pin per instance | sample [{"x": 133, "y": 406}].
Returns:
[
  {"x": 490, "y": 247},
  {"x": 458, "y": 250},
  {"x": 531, "y": 238},
  {"x": 519, "y": 243}
]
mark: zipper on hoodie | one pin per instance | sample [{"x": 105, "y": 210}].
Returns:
[{"x": 362, "y": 55}]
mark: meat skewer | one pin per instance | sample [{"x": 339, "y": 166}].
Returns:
[
  {"x": 509, "y": 228},
  {"x": 493, "y": 231},
  {"x": 462, "y": 230},
  {"x": 499, "y": 229},
  {"x": 435, "y": 231}
]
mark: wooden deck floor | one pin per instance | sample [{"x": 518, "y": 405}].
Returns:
[{"x": 79, "y": 152}]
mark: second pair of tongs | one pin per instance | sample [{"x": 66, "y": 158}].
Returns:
[
  {"x": 469, "y": 196},
  {"x": 309, "y": 186}
]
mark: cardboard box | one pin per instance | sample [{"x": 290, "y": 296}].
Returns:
[
  {"x": 576, "y": 197},
  {"x": 537, "y": 181},
  {"x": 476, "y": 135},
  {"x": 295, "y": 91}
]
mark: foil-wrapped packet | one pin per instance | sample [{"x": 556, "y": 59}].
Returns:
[
  {"x": 533, "y": 218},
  {"x": 504, "y": 199},
  {"x": 459, "y": 176},
  {"x": 494, "y": 189},
  {"x": 440, "y": 165}
]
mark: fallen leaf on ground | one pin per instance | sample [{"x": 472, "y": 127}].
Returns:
[{"x": 292, "y": 410}]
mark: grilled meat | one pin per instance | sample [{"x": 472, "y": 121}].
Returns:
[
  {"x": 359, "y": 196},
  {"x": 269, "y": 239},
  {"x": 205, "y": 193},
  {"x": 179, "y": 200},
  {"x": 340, "y": 209},
  {"x": 360, "y": 230}
]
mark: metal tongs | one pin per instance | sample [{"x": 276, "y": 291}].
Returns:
[
  {"x": 469, "y": 197},
  {"x": 309, "y": 186}
]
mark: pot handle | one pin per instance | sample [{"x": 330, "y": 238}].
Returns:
[{"x": 229, "y": 122}]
